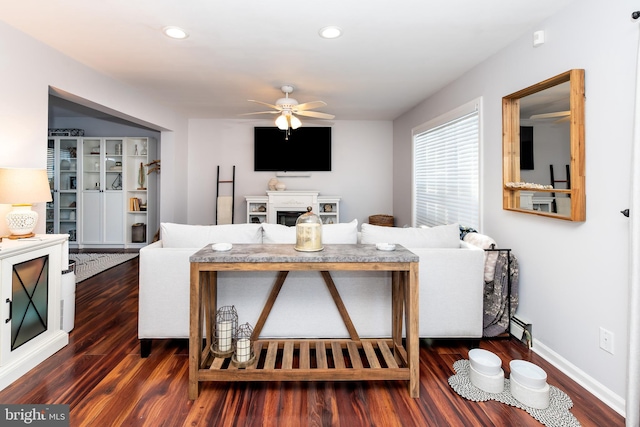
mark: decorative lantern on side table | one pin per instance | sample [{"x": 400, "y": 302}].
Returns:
[
  {"x": 309, "y": 232},
  {"x": 225, "y": 332},
  {"x": 243, "y": 355}
]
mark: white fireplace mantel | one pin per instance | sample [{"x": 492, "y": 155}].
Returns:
[
  {"x": 297, "y": 201},
  {"x": 292, "y": 201}
]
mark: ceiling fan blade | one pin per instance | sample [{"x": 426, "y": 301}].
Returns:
[
  {"x": 550, "y": 115},
  {"x": 563, "y": 119},
  {"x": 276, "y": 107},
  {"x": 310, "y": 105},
  {"x": 315, "y": 114},
  {"x": 261, "y": 112}
]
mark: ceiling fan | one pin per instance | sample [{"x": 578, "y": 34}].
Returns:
[
  {"x": 561, "y": 116},
  {"x": 288, "y": 108}
]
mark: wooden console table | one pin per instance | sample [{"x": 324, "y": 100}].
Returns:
[{"x": 335, "y": 359}]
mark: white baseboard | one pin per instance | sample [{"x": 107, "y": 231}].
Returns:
[{"x": 607, "y": 396}]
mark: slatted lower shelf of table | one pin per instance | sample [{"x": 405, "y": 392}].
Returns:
[{"x": 312, "y": 360}]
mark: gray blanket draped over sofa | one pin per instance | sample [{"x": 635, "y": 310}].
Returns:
[{"x": 496, "y": 295}]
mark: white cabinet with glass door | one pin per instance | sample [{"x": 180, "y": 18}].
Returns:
[
  {"x": 102, "y": 192},
  {"x": 62, "y": 170},
  {"x": 31, "y": 309}
]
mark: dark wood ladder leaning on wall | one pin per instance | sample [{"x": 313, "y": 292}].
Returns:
[
  {"x": 554, "y": 205},
  {"x": 233, "y": 192}
]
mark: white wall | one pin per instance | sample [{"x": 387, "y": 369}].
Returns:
[
  {"x": 361, "y": 168},
  {"x": 29, "y": 68},
  {"x": 574, "y": 276}
]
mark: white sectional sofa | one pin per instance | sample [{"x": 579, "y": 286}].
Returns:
[{"x": 451, "y": 284}]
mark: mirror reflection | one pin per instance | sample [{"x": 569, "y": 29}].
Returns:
[
  {"x": 543, "y": 127},
  {"x": 545, "y": 148}
]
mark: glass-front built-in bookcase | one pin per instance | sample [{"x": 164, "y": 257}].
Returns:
[
  {"x": 102, "y": 191},
  {"x": 62, "y": 170}
]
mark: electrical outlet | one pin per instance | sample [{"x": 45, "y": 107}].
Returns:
[{"x": 606, "y": 340}]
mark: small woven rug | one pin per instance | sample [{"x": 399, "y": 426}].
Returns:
[
  {"x": 556, "y": 415},
  {"x": 90, "y": 264}
]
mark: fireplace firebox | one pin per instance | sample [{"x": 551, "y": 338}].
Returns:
[{"x": 288, "y": 218}]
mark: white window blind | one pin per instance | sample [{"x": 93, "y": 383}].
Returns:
[{"x": 445, "y": 169}]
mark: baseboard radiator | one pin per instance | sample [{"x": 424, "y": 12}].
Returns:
[{"x": 522, "y": 330}]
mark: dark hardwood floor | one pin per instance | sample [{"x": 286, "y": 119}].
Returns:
[{"x": 101, "y": 375}]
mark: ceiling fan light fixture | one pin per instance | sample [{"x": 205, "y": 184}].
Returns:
[
  {"x": 282, "y": 122},
  {"x": 175, "y": 32},
  {"x": 288, "y": 109},
  {"x": 330, "y": 32}
]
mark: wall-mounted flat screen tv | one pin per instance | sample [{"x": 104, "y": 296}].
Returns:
[{"x": 307, "y": 149}]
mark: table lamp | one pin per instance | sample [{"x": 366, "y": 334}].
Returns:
[{"x": 21, "y": 187}]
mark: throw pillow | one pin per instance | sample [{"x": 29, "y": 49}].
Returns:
[
  {"x": 490, "y": 258},
  {"x": 278, "y": 233},
  {"x": 198, "y": 236},
  {"x": 442, "y": 236},
  {"x": 341, "y": 233}
]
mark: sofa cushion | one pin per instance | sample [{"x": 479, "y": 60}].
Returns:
[
  {"x": 198, "y": 236},
  {"x": 341, "y": 233},
  {"x": 442, "y": 236}
]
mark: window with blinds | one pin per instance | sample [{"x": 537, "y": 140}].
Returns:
[{"x": 446, "y": 169}]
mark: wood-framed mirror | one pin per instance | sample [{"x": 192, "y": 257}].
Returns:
[{"x": 543, "y": 148}]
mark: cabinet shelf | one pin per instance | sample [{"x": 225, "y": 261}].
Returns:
[
  {"x": 256, "y": 209},
  {"x": 140, "y": 224}
]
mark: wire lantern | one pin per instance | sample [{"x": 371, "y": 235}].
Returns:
[
  {"x": 225, "y": 332},
  {"x": 243, "y": 355}
]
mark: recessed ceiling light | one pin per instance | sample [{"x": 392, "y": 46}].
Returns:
[
  {"x": 175, "y": 32},
  {"x": 330, "y": 32}
]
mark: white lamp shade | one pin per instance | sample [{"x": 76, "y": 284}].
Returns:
[
  {"x": 295, "y": 122},
  {"x": 282, "y": 122},
  {"x": 24, "y": 186}
]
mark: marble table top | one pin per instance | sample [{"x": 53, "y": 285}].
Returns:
[{"x": 280, "y": 253}]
